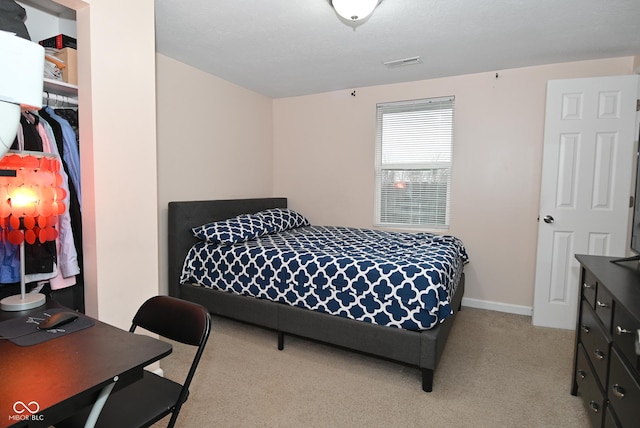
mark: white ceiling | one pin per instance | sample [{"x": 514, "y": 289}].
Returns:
[{"x": 283, "y": 48}]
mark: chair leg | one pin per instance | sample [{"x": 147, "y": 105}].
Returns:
[
  {"x": 99, "y": 404},
  {"x": 172, "y": 421}
]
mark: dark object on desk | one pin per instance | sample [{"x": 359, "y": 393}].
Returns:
[
  {"x": 148, "y": 400},
  {"x": 25, "y": 331},
  {"x": 58, "y": 320}
]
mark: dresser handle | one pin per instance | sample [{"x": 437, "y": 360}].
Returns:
[
  {"x": 585, "y": 329},
  {"x": 594, "y": 406},
  {"x": 599, "y": 354},
  {"x": 587, "y": 286},
  {"x": 620, "y": 331},
  {"x": 618, "y": 391},
  {"x": 602, "y": 305},
  {"x": 582, "y": 374}
]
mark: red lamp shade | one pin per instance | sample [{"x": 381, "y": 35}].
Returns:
[{"x": 31, "y": 197}]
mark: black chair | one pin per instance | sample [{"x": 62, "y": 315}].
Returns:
[{"x": 150, "y": 399}]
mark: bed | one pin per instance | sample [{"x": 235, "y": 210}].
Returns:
[{"x": 408, "y": 335}]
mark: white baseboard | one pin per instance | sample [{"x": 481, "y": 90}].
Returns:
[{"x": 497, "y": 306}]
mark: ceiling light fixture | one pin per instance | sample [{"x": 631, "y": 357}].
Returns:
[{"x": 355, "y": 11}]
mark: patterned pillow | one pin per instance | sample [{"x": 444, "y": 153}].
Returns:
[
  {"x": 280, "y": 219},
  {"x": 237, "y": 229}
]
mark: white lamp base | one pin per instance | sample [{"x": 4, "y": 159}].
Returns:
[{"x": 17, "y": 303}]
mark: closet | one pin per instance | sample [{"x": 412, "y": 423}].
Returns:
[{"x": 60, "y": 111}]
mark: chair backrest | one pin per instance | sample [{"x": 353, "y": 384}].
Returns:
[{"x": 178, "y": 320}]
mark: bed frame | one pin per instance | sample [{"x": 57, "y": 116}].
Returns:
[{"x": 415, "y": 348}]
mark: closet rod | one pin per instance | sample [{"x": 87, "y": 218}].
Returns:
[{"x": 56, "y": 100}]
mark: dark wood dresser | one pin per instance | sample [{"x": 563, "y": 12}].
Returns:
[{"x": 606, "y": 366}]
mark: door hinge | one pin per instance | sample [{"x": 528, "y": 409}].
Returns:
[
  {"x": 637, "y": 105},
  {"x": 631, "y": 201}
]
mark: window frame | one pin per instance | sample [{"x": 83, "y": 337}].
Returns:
[{"x": 428, "y": 167}]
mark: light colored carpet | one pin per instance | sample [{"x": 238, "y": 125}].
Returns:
[{"x": 497, "y": 370}]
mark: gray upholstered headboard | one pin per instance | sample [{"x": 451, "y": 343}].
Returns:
[{"x": 185, "y": 215}]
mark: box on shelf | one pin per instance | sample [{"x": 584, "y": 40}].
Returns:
[
  {"x": 70, "y": 71},
  {"x": 59, "y": 42}
]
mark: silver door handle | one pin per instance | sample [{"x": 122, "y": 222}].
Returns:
[{"x": 548, "y": 219}]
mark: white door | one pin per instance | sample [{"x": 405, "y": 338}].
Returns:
[{"x": 589, "y": 140}]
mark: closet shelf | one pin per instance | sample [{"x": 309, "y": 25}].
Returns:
[{"x": 60, "y": 88}]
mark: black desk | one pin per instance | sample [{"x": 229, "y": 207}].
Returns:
[{"x": 65, "y": 374}]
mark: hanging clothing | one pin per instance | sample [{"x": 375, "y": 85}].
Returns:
[
  {"x": 28, "y": 137},
  {"x": 67, "y": 147},
  {"x": 72, "y": 157},
  {"x": 9, "y": 262},
  {"x": 71, "y": 115},
  {"x": 67, "y": 258},
  {"x": 12, "y": 17}
]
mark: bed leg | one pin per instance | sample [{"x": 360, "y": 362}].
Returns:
[
  {"x": 427, "y": 380},
  {"x": 280, "y": 341}
]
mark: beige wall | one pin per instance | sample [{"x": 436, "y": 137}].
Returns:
[
  {"x": 324, "y": 163},
  {"x": 116, "y": 70},
  {"x": 215, "y": 141}
]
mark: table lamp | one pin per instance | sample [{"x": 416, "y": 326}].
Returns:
[{"x": 31, "y": 199}]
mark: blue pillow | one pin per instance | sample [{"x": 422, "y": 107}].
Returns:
[
  {"x": 237, "y": 229},
  {"x": 281, "y": 219}
]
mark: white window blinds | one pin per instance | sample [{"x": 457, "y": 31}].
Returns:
[{"x": 414, "y": 142}]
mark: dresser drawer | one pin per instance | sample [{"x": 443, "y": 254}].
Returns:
[
  {"x": 588, "y": 389},
  {"x": 624, "y": 334},
  {"x": 623, "y": 392},
  {"x": 595, "y": 341},
  {"x": 589, "y": 287},
  {"x": 604, "y": 307},
  {"x": 610, "y": 420}
]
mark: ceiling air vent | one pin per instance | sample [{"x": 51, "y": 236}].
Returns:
[{"x": 403, "y": 62}]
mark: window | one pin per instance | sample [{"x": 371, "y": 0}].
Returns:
[{"x": 414, "y": 141}]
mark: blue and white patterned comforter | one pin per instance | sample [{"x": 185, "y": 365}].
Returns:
[{"x": 403, "y": 280}]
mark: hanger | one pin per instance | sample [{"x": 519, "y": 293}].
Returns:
[{"x": 30, "y": 117}]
